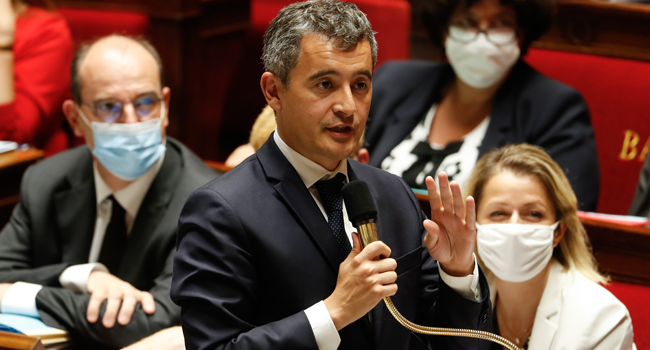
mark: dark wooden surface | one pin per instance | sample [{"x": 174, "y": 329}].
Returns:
[
  {"x": 622, "y": 252},
  {"x": 12, "y": 167},
  {"x": 587, "y": 26},
  {"x": 200, "y": 43}
]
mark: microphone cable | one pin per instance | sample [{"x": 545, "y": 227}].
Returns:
[{"x": 363, "y": 214}]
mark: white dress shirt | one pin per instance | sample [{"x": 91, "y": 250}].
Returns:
[
  {"x": 327, "y": 337},
  {"x": 21, "y": 297}
]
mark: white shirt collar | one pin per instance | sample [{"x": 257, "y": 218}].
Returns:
[
  {"x": 309, "y": 171},
  {"x": 131, "y": 196}
]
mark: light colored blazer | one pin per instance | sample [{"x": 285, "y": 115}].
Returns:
[{"x": 576, "y": 313}]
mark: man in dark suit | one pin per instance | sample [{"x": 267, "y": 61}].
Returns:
[
  {"x": 267, "y": 258},
  {"x": 90, "y": 246}
]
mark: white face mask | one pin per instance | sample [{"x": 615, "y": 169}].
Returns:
[
  {"x": 480, "y": 63},
  {"x": 515, "y": 252}
]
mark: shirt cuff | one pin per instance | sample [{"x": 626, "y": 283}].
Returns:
[
  {"x": 20, "y": 299},
  {"x": 466, "y": 286},
  {"x": 327, "y": 337},
  {"x": 75, "y": 277}
]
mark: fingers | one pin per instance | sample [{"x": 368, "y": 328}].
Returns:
[
  {"x": 471, "y": 213},
  {"x": 375, "y": 250},
  {"x": 110, "y": 313},
  {"x": 457, "y": 199},
  {"x": 96, "y": 300},
  {"x": 445, "y": 192},
  {"x": 127, "y": 309},
  {"x": 434, "y": 196},
  {"x": 433, "y": 234},
  {"x": 148, "y": 303}
]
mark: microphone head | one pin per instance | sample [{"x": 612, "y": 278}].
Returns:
[{"x": 358, "y": 202}]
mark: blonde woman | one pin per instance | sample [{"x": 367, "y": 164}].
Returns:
[{"x": 543, "y": 278}]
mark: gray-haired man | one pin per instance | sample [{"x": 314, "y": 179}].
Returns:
[{"x": 267, "y": 258}]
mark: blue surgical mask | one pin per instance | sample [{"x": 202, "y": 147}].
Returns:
[{"x": 128, "y": 150}]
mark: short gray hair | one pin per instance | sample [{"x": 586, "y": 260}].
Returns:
[
  {"x": 80, "y": 55},
  {"x": 340, "y": 21}
]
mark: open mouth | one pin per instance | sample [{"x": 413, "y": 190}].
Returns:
[{"x": 340, "y": 129}]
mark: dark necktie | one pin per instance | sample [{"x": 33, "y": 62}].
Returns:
[
  {"x": 114, "y": 239},
  {"x": 330, "y": 196}
]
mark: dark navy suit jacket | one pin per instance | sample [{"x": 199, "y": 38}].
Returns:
[
  {"x": 254, "y": 251},
  {"x": 528, "y": 107}
]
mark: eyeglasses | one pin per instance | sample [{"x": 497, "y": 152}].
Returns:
[
  {"x": 497, "y": 36},
  {"x": 110, "y": 110}
]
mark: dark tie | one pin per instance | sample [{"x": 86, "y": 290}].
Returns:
[
  {"x": 114, "y": 239},
  {"x": 330, "y": 196}
]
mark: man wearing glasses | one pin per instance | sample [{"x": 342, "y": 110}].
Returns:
[{"x": 89, "y": 247}]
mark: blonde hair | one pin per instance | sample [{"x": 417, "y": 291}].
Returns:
[
  {"x": 574, "y": 250},
  {"x": 262, "y": 128}
]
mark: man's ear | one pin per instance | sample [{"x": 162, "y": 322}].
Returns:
[
  {"x": 73, "y": 117},
  {"x": 167, "y": 93},
  {"x": 559, "y": 234},
  {"x": 271, "y": 86},
  {"x": 363, "y": 155}
]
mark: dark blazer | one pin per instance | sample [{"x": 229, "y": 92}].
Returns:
[
  {"x": 528, "y": 107},
  {"x": 255, "y": 251},
  {"x": 52, "y": 228}
]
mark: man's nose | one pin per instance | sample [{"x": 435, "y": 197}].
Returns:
[
  {"x": 345, "y": 102},
  {"x": 129, "y": 115}
]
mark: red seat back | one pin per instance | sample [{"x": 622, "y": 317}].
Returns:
[
  {"x": 637, "y": 300},
  {"x": 617, "y": 93},
  {"x": 89, "y": 24}
]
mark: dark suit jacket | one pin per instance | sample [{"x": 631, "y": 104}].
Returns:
[
  {"x": 255, "y": 251},
  {"x": 52, "y": 228},
  {"x": 641, "y": 202},
  {"x": 528, "y": 107}
]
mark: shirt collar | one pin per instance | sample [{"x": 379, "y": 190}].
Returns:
[
  {"x": 309, "y": 171},
  {"x": 131, "y": 196}
]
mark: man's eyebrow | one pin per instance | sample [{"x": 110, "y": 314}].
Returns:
[
  {"x": 323, "y": 73},
  {"x": 366, "y": 73}
]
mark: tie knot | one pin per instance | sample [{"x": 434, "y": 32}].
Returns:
[{"x": 330, "y": 193}]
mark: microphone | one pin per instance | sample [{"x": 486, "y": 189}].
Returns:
[
  {"x": 363, "y": 214},
  {"x": 361, "y": 210}
]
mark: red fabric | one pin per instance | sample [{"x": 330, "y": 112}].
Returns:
[
  {"x": 637, "y": 300},
  {"x": 90, "y": 24},
  {"x": 390, "y": 19},
  {"x": 42, "y": 54},
  {"x": 616, "y": 91}
]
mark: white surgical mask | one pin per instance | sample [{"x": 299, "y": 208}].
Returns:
[
  {"x": 515, "y": 252},
  {"x": 480, "y": 63}
]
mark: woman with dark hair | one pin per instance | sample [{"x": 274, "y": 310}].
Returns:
[
  {"x": 428, "y": 117},
  {"x": 35, "y": 54}
]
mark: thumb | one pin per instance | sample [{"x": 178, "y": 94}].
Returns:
[{"x": 356, "y": 245}]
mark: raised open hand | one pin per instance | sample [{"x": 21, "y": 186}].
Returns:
[{"x": 451, "y": 232}]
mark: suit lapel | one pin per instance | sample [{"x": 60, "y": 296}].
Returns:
[
  {"x": 377, "y": 313},
  {"x": 502, "y": 115},
  {"x": 547, "y": 315},
  {"x": 76, "y": 211},
  {"x": 298, "y": 199},
  {"x": 154, "y": 204}
]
